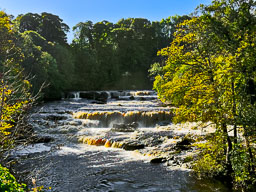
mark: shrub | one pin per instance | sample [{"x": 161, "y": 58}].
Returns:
[{"x": 8, "y": 182}]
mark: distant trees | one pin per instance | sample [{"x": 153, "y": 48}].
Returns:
[
  {"x": 103, "y": 55},
  {"x": 47, "y": 56},
  {"x": 119, "y": 53},
  {"x": 49, "y": 26}
]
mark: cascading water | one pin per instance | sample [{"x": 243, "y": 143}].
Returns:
[
  {"x": 77, "y": 95},
  {"x": 64, "y": 164}
]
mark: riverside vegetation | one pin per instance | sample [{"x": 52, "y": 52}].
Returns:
[{"x": 205, "y": 69}]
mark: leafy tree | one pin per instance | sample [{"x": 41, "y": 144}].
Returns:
[
  {"x": 209, "y": 65},
  {"x": 29, "y": 22},
  {"x": 15, "y": 98},
  {"x": 47, "y": 55},
  {"x": 50, "y": 26}
]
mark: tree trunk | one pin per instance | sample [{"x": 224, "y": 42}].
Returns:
[
  {"x": 229, "y": 149},
  {"x": 247, "y": 144},
  {"x": 234, "y": 112}
]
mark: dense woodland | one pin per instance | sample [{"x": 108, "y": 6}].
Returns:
[
  {"x": 205, "y": 68},
  {"x": 210, "y": 76},
  {"x": 101, "y": 56}
]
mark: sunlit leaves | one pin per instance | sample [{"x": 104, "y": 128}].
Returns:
[{"x": 209, "y": 75}]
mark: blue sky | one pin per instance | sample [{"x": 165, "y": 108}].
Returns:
[{"x": 75, "y": 11}]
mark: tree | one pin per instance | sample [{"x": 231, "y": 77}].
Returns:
[
  {"x": 15, "y": 98},
  {"x": 47, "y": 55},
  {"x": 50, "y": 26},
  {"x": 207, "y": 68}
]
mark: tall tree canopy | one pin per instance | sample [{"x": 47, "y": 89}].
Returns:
[
  {"x": 50, "y": 26},
  {"x": 119, "y": 53},
  {"x": 209, "y": 73}
]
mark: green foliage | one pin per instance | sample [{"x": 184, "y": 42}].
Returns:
[
  {"x": 14, "y": 86},
  {"x": 8, "y": 182},
  {"x": 211, "y": 160},
  {"x": 110, "y": 51},
  {"x": 209, "y": 75},
  {"x": 99, "y": 57},
  {"x": 244, "y": 176},
  {"x": 188, "y": 159},
  {"x": 50, "y": 26},
  {"x": 47, "y": 57}
]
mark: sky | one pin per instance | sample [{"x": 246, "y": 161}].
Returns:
[{"x": 75, "y": 11}]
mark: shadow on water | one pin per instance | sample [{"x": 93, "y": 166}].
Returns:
[
  {"x": 73, "y": 167},
  {"x": 76, "y": 169}
]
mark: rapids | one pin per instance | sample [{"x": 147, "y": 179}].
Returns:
[{"x": 68, "y": 166}]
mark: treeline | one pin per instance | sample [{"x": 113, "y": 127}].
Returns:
[
  {"x": 103, "y": 55},
  {"x": 118, "y": 56},
  {"x": 210, "y": 76}
]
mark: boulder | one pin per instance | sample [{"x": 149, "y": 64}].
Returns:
[
  {"x": 55, "y": 117},
  {"x": 101, "y": 97},
  {"x": 42, "y": 139},
  {"x": 88, "y": 95},
  {"x": 132, "y": 97},
  {"x": 131, "y": 146},
  {"x": 115, "y": 95},
  {"x": 158, "y": 160},
  {"x": 125, "y": 127},
  {"x": 184, "y": 144}
]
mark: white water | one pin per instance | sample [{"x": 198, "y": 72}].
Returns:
[{"x": 71, "y": 166}]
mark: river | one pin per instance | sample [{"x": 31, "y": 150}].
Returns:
[{"x": 66, "y": 165}]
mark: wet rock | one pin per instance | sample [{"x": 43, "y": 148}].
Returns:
[
  {"x": 55, "y": 117},
  {"x": 75, "y": 123},
  {"x": 184, "y": 144},
  {"x": 150, "y": 140},
  {"x": 99, "y": 102},
  {"x": 141, "y": 98},
  {"x": 42, "y": 139},
  {"x": 132, "y": 97},
  {"x": 86, "y": 95},
  {"x": 131, "y": 127},
  {"x": 103, "y": 96},
  {"x": 114, "y": 95},
  {"x": 64, "y": 112},
  {"x": 100, "y": 97},
  {"x": 89, "y": 95},
  {"x": 163, "y": 123},
  {"x": 184, "y": 141},
  {"x": 158, "y": 160},
  {"x": 133, "y": 146}
]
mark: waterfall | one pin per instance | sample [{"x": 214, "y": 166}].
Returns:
[{"x": 76, "y": 95}]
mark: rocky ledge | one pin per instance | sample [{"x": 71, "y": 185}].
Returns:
[{"x": 174, "y": 145}]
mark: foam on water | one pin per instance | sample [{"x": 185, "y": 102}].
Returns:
[
  {"x": 71, "y": 166},
  {"x": 36, "y": 148}
]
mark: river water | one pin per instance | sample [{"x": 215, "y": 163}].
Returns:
[{"x": 66, "y": 165}]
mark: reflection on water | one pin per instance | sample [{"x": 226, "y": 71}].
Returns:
[{"x": 69, "y": 166}]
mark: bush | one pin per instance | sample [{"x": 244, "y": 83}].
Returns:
[
  {"x": 8, "y": 182},
  {"x": 211, "y": 160}
]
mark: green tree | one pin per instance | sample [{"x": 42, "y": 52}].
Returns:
[
  {"x": 50, "y": 26},
  {"x": 206, "y": 74}
]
